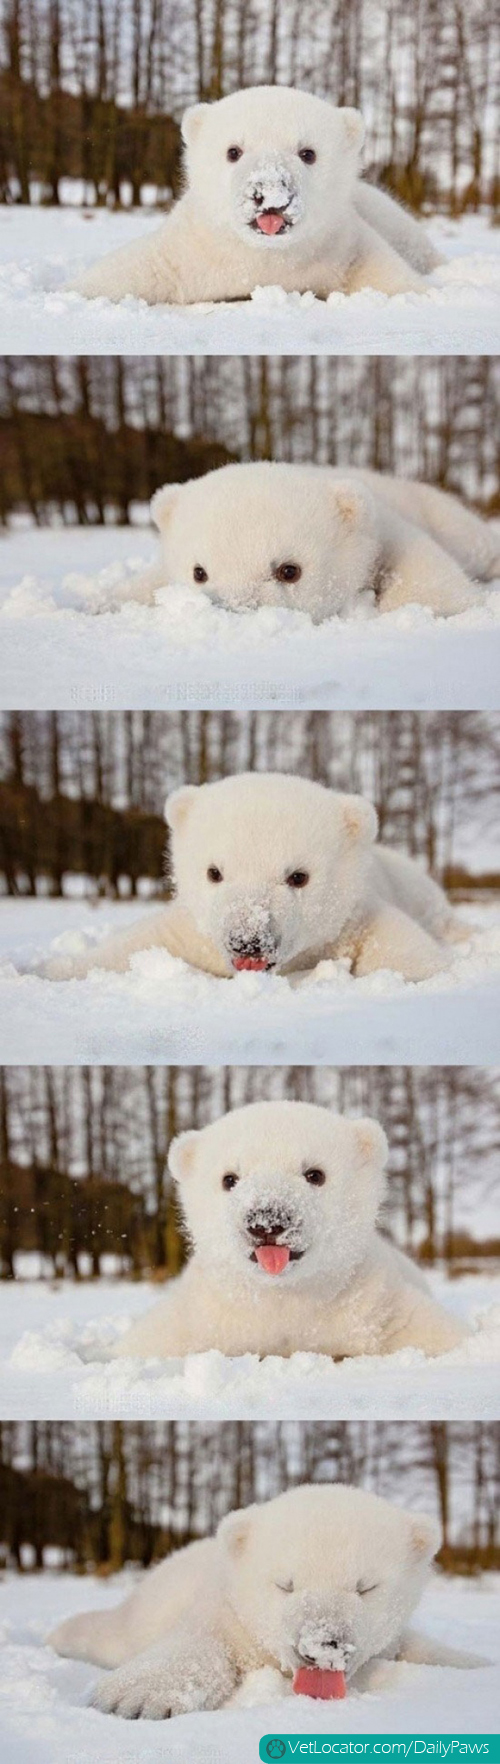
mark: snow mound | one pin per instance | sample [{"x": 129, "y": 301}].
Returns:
[
  {"x": 185, "y": 615},
  {"x": 42, "y": 249},
  {"x": 161, "y": 1008},
  {"x": 184, "y": 650},
  {"x": 307, "y": 1385}
]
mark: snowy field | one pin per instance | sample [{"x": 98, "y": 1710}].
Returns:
[
  {"x": 45, "y": 1719},
  {"x": 42, "y": 248},
  {"x": 55, "y": 1343},
  {"x": 163, "y": 1010},
  {"x": 61, "y": 647}
]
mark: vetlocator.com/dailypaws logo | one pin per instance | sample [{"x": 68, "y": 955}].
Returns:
[{"x": 380, "y": 1748}]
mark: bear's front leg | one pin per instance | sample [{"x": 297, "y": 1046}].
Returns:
[
  {"x": 425, "y": 1325},
  {"x": 190, "y": 1671},
  {"x": 391, "y": 939},
  {"x": 423, "y": 574},
  {"x": 149, "y": 269},
  {"x": 423, "y": 1650},
  {"x": 115, "y": 952},
  {"x": 378, "y": 266}
]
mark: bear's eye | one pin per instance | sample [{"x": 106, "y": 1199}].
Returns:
[
  {"x": 234, "y": 153},
  {"x": 366, "y": 1589},
  {"x": 213, "y": 874},
  {"x": 287, "y": 572},
  {"x": 284, "y": 1585},
  {"x": 230, "y": 1180},
  {"x": 316, "y": 1178},
  {"x": 298, "y": 879},
  {"x": 199, "y": 574},
  {"x": 307, "y": 155}
]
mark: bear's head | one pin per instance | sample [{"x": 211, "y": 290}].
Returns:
[
  {"x": 325, "y": 1576},
  {"x": 281, "y": 1192},
  {"x": 275, "y": 166},
  {"x": 271, "y": 534},
  {"x": 270, "y": 866}
]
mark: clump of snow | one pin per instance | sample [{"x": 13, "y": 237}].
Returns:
[
  {"x": 184, "y": 649},
  {"x": 58, "y": 1348},
  {"x": 46, "y": 1718},
  {"x": 42, "y": 248}
]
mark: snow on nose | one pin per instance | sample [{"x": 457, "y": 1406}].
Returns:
[
  {"x": 323, "y": 1643},
  {"x": 250, "y": 935},
  {"x": 271, "y": 200},
  {"x": 276, "y": 1233}
]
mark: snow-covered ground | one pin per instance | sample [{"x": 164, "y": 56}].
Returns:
[
  {"x": 55, "y": 1343},
  {"x": 163, "y": 1010},
  {"x": 46, "y": 1720},
  {"x": 185, "y": 651},
  {"x": 41, "y": 248}
]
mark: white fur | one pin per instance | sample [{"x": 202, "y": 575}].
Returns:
[
  {"x": 354, "y": 1566},
  {"x": 373, "y": 907},
  {"x": 351, "y": 534},
  {"x": 342, "y": 235},
  {"x": 345, "y": 1289}
]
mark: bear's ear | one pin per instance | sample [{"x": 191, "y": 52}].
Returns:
[
  {"x": 359, "y": 818},
  {"x": 178, "y": 804},
  {"x": 181, "y": 1155},
  {"x": 350, "y": 501},
  {"x": 234, "y": 1530},
  {"x": 162, "y": 503},
  {"x": 192, "y": 121},
  {"x": 425, "y": 1536},
  {"x": 353, "y": 126},
  {"x": 371, "y": 1143}
]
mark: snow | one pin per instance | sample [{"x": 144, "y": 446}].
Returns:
[
  {"x": 163, "y": 1010},
  {"x": 62, "y": 646},
  {"x": 55, "y": 1364},
  {"x": 45, "y": 1719},
  {"x": 42, "y": 248}
]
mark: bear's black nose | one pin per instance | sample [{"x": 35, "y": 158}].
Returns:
[{"x": 258, "y": 198}]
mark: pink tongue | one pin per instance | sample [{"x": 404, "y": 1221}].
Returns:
[
  {"x": 273, "y": 1257},
  {"x": 270, "y": 223},
  {"x": 311, "y": 1681},
  {"x": 257, "y": 966}
]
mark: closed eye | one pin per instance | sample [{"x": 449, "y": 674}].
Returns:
[
  {"x": 367, "y": 1589},
  {"x": 284, "y": 1585}
]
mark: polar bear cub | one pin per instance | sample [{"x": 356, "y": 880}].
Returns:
[
  {"x": 323, "y": 1580},
  {"x": 275, "y": 872},
  {"x": 273, "y": 196},
  {"x": 317, "y": 539},
  {"x": 280, "y": 1202}
]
